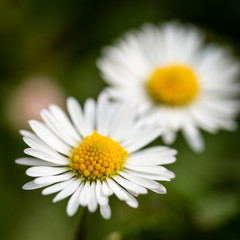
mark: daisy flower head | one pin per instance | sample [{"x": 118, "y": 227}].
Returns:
[
  {"x": 176, "y": 80},
  {"x": 94, "y": 154}
]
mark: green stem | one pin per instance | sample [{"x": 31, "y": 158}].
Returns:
[{"x": 82, "y": 229}]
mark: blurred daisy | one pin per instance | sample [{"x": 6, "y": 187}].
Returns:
[
  {"x": 96, "y": 156},
  {"x": 182, "y": 84}
]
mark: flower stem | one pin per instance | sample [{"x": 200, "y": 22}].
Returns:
[{"x": 82, "y": 229}]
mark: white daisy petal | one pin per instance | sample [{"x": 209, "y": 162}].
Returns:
[
  {"x": 130, "y": 185},
  {"x": 45, "y": 171},
  {"x": 140, "y": 181},
  {"x": 54, "y": 179},
  {"x": 132, "y": 202},
  {"x": 105, "y": 211},
  {"x": 106, "y": 189},
  {"x": 28, "y": 134},
  {"x": 73, "y": 202},
  {"x": 67, "y": 191},
  {"x": 203, "y": 120},
  {"x": 152, "y": 159},
  {"x": 145, "y": 138},
  {"x": 116, "y": 119},
  {"x": 120, "y": 126},
  {"x": 118, "y": 191},
  {"x": 89, "y": 114},
  {"x": 92, "y": 204},
  {"x": 155, "y": 170},
  {"x": 150, "y": 176},
  {"x": 32, "y": 185},
  {"x": 154, "y": 150},
  {"x": 101, "y": 198},
  {"x": 63, "y": 120},
  {"x": 161, "y": 189},
  {"x": 48, "y": 137},
  {"x": 33, "y": 162},
  {"x": 126, "y": 123},
  {"x": 45, "y": 156},
  {"x": 193, "y": 137},
  {"x": 57, "y": 187},
  {"x": 76, "y": 114},
  {"x": 102, "y": 114},
  {"x": 168, "y": 136},
  {"x": 54, "y": 125},
  {"x": 122, "y": 194},
  {"x": 85, "y": 195},
  {"x": 40, "y": 145},
  {"x": 153, "y": 155}
]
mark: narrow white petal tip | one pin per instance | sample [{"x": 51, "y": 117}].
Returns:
[
  {"x": 70, "y": 214},
  {"x": 43, "y": 112},
  {"x": 169, "y": 137},
  {"x": 196, "y": 142},
  {"x": 107, "y": 217},
  {"x": 197, "y": 148},
  {"x": 161, "y": 190},
  {"x": 55, "y": 200},
  {"x": 174, "y": 151},
  {"x": 28, "y": 172},
  {"x": 44, "y": 193},
  {"x": 18, "y": 161},
  {"x": 92, "y": 209},
  {"x": 30, "y": 122},
  {"x": 51, "y": 106},
  {"x": 173, "y": 160},
  {"x": 173, "y": 175},
  {"x": 58, "y": 198},
  {"x": 105, "y": 211},
  {"x": 24, "y": 187},
  {"x": 26, "y": 150},
  {"x": 133, "y": 204},
  {"x": 22, "y": 132},
  {"x": 194, "y": 138},
  {"x": 32, "y": 185},
  {"x": 70, "y": 99}
]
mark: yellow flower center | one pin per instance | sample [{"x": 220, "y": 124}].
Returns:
[
  {"x": 97, "y": 157},
  {"x": 173, "y": 85}
]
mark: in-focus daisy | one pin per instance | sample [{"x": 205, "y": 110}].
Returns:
[
  {"x": 94, "y": 155},
  {"x": 182, "y": 84}
]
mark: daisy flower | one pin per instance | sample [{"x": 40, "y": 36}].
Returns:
[
  {"x": 94, "y": 155},
  {"x": 180, "y": 83}
]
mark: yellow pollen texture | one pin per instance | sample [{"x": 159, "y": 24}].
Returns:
[
  {"x": 173, "y": 85},
  {"x": 97, "y": 157}
]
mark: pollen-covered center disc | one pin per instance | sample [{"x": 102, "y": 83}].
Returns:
[
  {"x": 97, "y": 157},
  {"x": 173, "y": 85}
]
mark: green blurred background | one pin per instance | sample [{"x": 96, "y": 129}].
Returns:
[{"x": 60, "y": 40}]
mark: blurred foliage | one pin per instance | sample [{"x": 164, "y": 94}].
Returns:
[{"x": 62, "y": 39}]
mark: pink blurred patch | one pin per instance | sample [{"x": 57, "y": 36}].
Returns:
[{"x": 30, "y": 97}]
